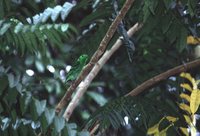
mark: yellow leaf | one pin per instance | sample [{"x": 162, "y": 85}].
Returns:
[
  {"x": 193, "y": 40},
  {"x": 184, "y": 130},
  {"x": 185, "y": 96},
  {"x": 185, "y": 107},
  {"x": 194, "y": 100},
  {"x": 193, "y": 130},
  {"x": 153, "y": 130},
  {"x": 187, "y": 119},
  {"x": 190, "y": 78},
  {"x": 186, "y": 86},
  {"x": 171, "y": 119},
  {"x": 164, "y": 131}
]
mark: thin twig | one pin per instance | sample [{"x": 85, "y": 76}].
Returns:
[
  {"x": 85, "y": 84},
  {"x": 151, "y": 82},
  {"x": 95, "y": 57}
]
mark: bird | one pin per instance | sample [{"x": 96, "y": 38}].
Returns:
[{"x": 76, "y": 69}]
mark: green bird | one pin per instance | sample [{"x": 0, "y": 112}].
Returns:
[{"x": 76, "y": 69}]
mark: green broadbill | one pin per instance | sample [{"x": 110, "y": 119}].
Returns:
[{"x": 76, "y": 69}]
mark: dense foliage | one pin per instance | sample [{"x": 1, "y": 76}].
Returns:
[{"x": 41, "y": 39}]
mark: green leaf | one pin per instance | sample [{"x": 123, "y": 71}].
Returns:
[
  {"x": 39, "y": 65},
  {"x": 50, "y": 37},
  {"x": 44, "y": 123},
  {"x": 48, "y": 26},
  {"x": 49, "y": 114},
  {"x": 24, "y": 102},
  {"x": 7, "y": 5},
  {"x": 152, "y": 4},
  {"x": 15, "y": 39},
  {"x": 21, "y": 42},
  {"x": 9, "y": 38},
  {"x": 13, "y": 114},
  {"x": 46, "y": 14},
  {"x": 81, "y": 4},
  {"x": 5, "y": 123},
  {"x": 168, "y": 3},
  {"x": 64, "y": 27},
  {"x": 98, "y": 98},
  {"x": 33, "y": 40},
  {"x": 33, "y": 111},
  {"x": 41, "y": 38},
  {"x": 83, "y": 133},
  {"x": 70, "y": 129},
  {"x": 25, "y": 29},
  {"x": 4, "y": 83},
  {"x": 1, "y": 23},
  {"x": 56, "y": 35},
  {"x": 68, "y": 132},
  {"x": 23, "y": 131},
  {"x": 67, "y": 7},
  {"x": 74, "y": 29},
  {"x": 72, "y": 125},
  {"x": 27, "y": 42},
  {"x": 182, "y": 39},
  {"x": 1, "y": 108},
  {"x": 166, "y": 23},
  {"x": 4, "y": 28},
  {"x": 11, "y": 80},
  {"x": 59, "y": 123},
  {"x": 18, "y": 28},
  {"x": 192, "y": 6},
  {"x": 95, "y": 15},
  {"x": 11, "y": 98},
  {"x": 29, "y": 60},
  {"x": 35, "y": 124},
  {"x": 17, "y": 124},
  {"x": 146, "y": 12},
  {"x": 40, "y": 106},
  {"x": 1, "y": 10},
  {"x": 173, "y": 32},
  {"x": 55, "y": 13}
]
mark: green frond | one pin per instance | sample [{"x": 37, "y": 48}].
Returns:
[
  {"x": 19, "y": 37},
  {"x": 141, "y": 112},
  {"x": 114, "y": 112},
  {"x": 52, "y": 13},
  {"x": 30, "y": 37},
  {"x": 32, "y": 115}
]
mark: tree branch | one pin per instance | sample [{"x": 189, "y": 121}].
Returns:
[
  {"x": 151, "y": 82},
  {"x": 85, "y": 84},
  {"x": 96, "y": 56}
]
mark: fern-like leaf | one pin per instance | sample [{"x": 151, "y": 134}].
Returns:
[
  {"x": 114, "y": 112},
  {"x": 52, "y": 13},
  {"x": 16, "y": 35}
]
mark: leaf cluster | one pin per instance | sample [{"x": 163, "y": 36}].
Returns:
[{"x": 22, "y": 114}]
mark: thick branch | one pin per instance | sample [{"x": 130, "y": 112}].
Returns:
[
  {"x": 96, "y": 55},
  {"x": 85, "y": 84},
  {"x": 151, "y": 82}
]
